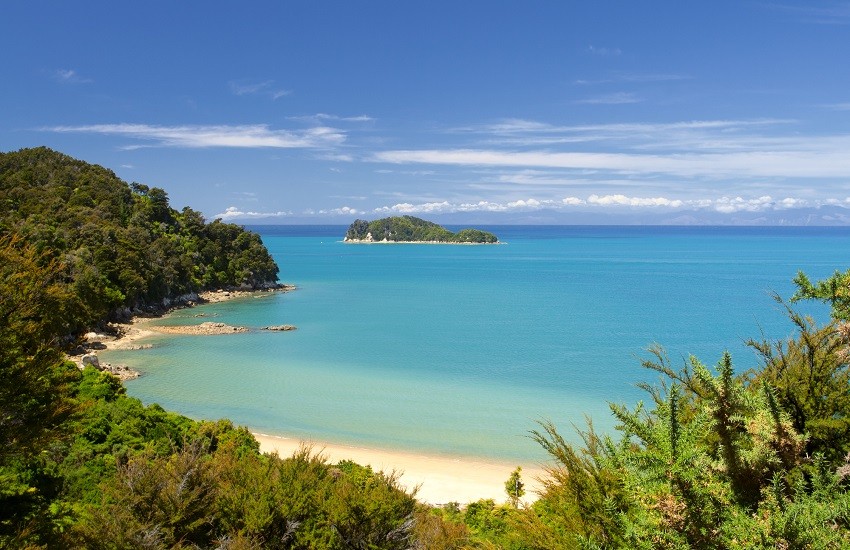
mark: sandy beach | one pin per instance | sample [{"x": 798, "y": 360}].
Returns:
[{"x": 440, "y": 479}]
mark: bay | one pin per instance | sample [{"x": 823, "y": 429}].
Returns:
[{"x": 460, "y": 350}]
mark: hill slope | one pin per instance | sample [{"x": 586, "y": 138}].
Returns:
[{"x": 122, "y": 245}]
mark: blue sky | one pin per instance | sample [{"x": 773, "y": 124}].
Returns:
[{"x": 282, "y": 112}]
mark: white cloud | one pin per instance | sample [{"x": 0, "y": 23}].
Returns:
[
  {"x": 724, "y": 204},
  {"x": 336, "y": 157},
  {"x": 687, "y": 136},
  {"x": 814, "y": 158},
  {"x": 408, "y": 208},
  {"x": 480, "y": 206},
  {"x": 618, "y": 98},
  {"x": 232, "y": 213},
  {"x": 540, "y": 178},
  {"x": 838, "y": 106},
  {"x": 70, "y": 76},
  {"x": 604, "y": 51},
  {"x": 530, "y": 203},
  {"x": 247, "y": 136},
  {"x": 790, "y": 202},
  {"x": 343, "y": 211},
  {"x": 737, "y": 204},
  {"x": 265, "y": 88},
  {"x": 622, "y": 200},
  {"x": 325, "y": 116}
]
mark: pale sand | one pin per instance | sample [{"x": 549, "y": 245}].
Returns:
[{"x": 440, "y": 479}]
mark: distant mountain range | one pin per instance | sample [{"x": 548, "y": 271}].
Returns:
[
  {"x": 820, "y": 216},
  {"x": 824, "y": 215}
]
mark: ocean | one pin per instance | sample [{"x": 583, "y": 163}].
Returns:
[{"x": 459, "y": 351}]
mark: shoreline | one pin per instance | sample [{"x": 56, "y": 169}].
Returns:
[
  {"x": 126, "y": 336},
  {"x": 441, "y": 479},
  {"x": 367, "y": 241}
]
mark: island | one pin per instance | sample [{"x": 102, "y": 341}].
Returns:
[{"x": 410, "y": 229}]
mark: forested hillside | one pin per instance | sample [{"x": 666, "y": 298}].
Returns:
[{"x": 120, "y": 245}]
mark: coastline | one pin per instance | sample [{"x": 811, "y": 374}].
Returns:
[
  {"x": 367, "y": 241},
  {"x": 441, "y": 480},
  {"x": 128, "y": 335}
]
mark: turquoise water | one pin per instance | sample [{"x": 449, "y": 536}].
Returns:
[{"x": 458, "y": 350}]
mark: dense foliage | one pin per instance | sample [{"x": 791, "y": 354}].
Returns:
[
  {"x": 84, "y": 466},
  {"x": 412, "y": 229},
  {"x": 713, "y": 459},
  {"x": 122, "y": 246}
]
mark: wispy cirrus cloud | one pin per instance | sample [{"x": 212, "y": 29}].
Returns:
[
  {"x": 604, "y": 51},
  {"x": 701, "y": 149},
  {"x": 631, "y": 78},
  {"x": 318, "y": 117},
  {"x": 70, "y": 76},
  {"x": 845, "y": 106},
  {"x": 617, "y": 98},
  {"x": 833, "y": 13},
  {"x": 264, "y": 88},
  {"x": 233, "y": 213},
  {"x": 681, "y": 135},
  {"x": 244, "y": 136},
  {"x": 833, "y": 162}
]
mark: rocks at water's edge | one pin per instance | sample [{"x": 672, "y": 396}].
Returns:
[
  {"x": 123, "y": 372},
  {"x": 202, "y": 329},
  {"x": 280, "y": 328}
]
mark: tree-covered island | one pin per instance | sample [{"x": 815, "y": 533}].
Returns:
[{"x": 409, "y": 229}]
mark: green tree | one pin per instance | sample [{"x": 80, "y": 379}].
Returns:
[
  {"x": 35, "y": 386},
  {"x": 514, "y": 487},
  {"x": 834, "y": 290},
  {"x": 810, "y": 376}
]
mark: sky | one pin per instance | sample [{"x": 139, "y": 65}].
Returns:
[{"x": 322, "y": 112}]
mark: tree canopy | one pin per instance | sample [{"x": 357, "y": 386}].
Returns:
[
  {"x": 412, "y": 229},
  {"x": 121, "y": 245}
]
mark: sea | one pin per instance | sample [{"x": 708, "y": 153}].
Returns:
[{"x": 462, "y": 350}]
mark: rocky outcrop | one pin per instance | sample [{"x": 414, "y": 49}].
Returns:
[
  {"x": 280, "y": 328},
  {"x": 202, "y": 329},
  {"x": 123, "y": 372}
]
